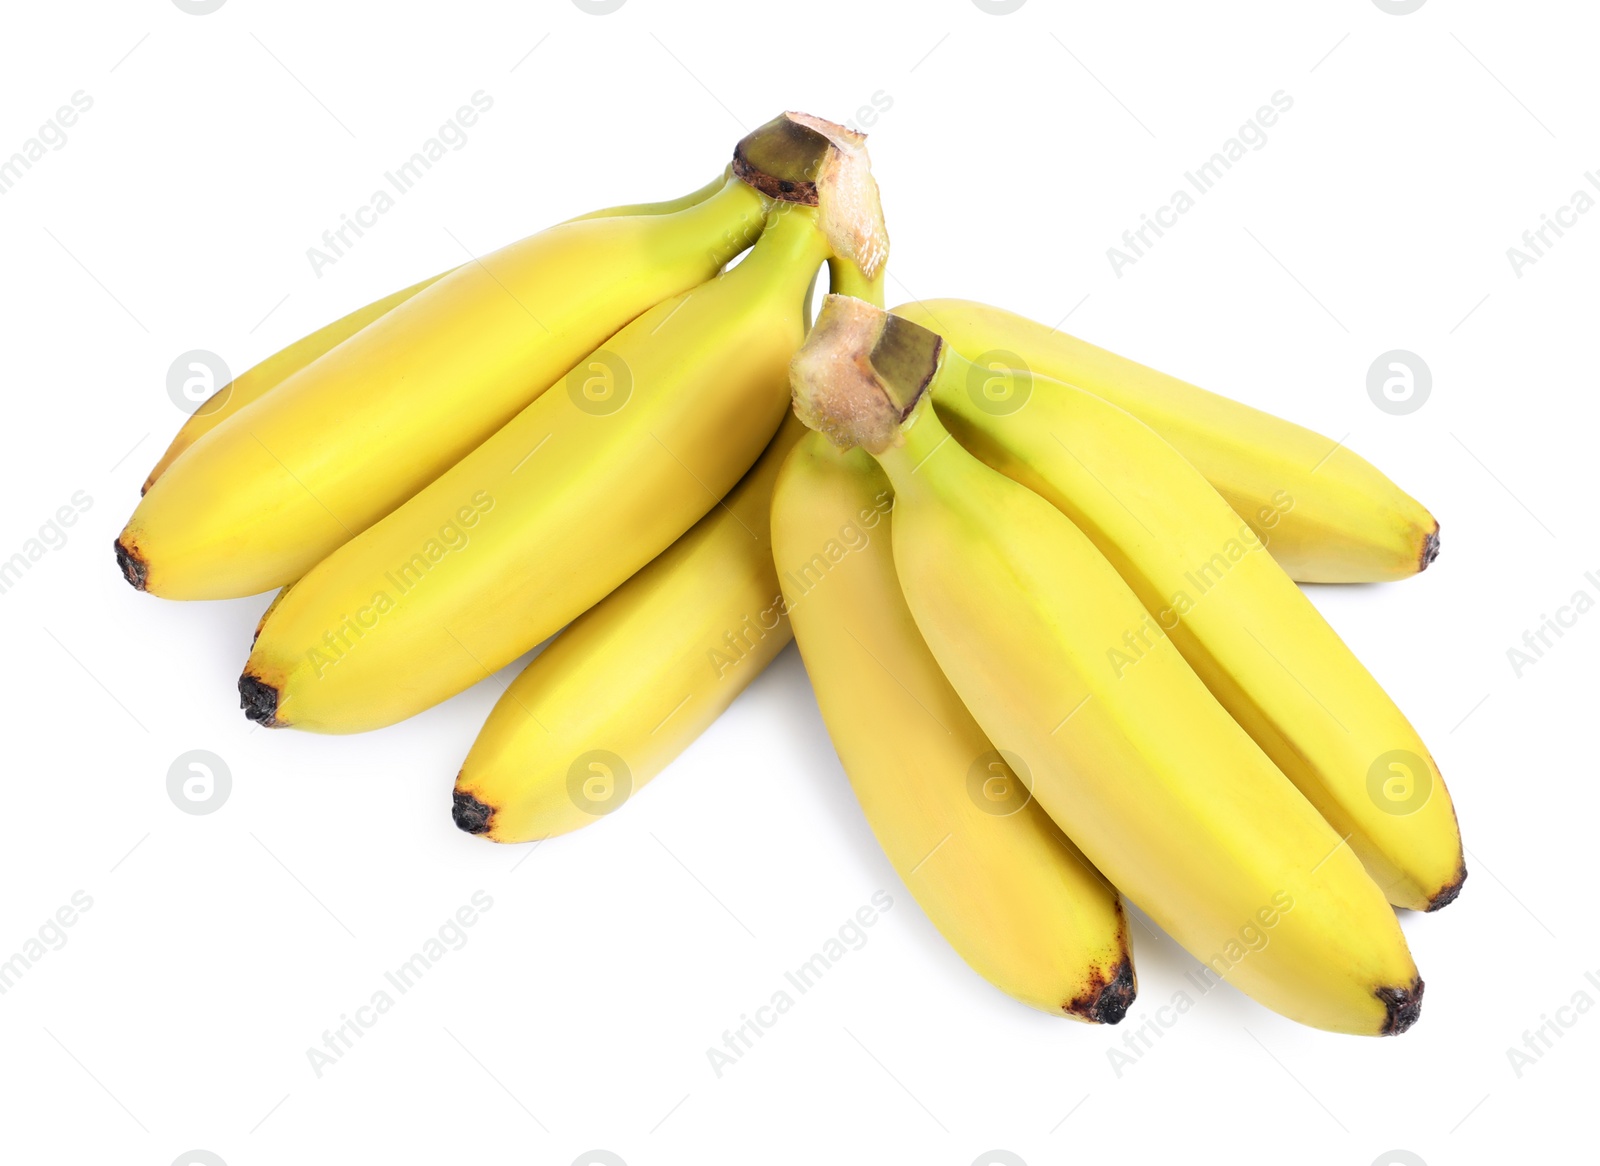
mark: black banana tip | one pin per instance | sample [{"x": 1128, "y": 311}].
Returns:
[
  {"x": 1106, "y": 1001},
  {"x": 1448, "y": 893},
  {"x": 470, "y": 814},
  {"x": 1402, "y": 1006},
  {"x": 1430, "y": 549},
  {"x": 131, "y": 563},
  {"x": 259, "y": 701}
]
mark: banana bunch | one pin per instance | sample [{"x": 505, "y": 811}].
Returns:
[{"x": 1045, "y": 595}]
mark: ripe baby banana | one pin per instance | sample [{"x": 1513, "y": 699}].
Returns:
[
  {"x": 636, "y": 678},
  {"x": 1146, "y": 772},
  {"x": 1327, "y": 514},
  {"x": 1205, "y": 580},
  {"x": 337, "y": 445},
  {"x": 575, "y": 494},
  {"x": 1014, "y": 897},
  {"x": 278, "y": 367},
  {"x": 273, "y": 371}
]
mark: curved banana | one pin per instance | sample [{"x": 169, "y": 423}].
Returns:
[
  {"x": 1146, "y": 772},
  {"x": 255, "y": 382},
  {"x": 1205, "y": 580},
  {"x": 278, "y": 367},
  {"x": 636, "y": 678},
  {"x": 265, "y": 495},
  {"x": 1011, "y": 894},
  {"x": 1327, "y": 515},
  {"x": 579, "y": 491}
]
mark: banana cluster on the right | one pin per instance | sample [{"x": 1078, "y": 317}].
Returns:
[{"x": 1048, "y": 617}]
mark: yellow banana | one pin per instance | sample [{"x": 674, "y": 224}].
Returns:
[
  {"x": 636, "y": 678},
  {"x": 1205, "y": 580},
  {"x": 1327, "y": 514},
  {"x": 1145, "y": 771},
  {"x": 578, "y": 492},
  {"x": 273, "y": 371},
  {"x": 1013, "y": 896},
  {"x": 278, "y": 367},
  {"x": 271, "y": 490}
]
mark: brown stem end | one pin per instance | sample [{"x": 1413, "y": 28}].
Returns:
[
  {"x": 861, "y": 372},
  {"x": 809, "y": 160}
]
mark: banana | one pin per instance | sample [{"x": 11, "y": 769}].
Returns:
[
  {"x": 273, "y": 371},
  {"x": 582, "y": 488},
  {"x": 1011, "y": 894},
  {"x": 267, "y": 493},
  {"x": 636, "y": 678},
  {"x": 1146, "y": 772},
  {"x": 278, "y": 367},
  {"x": 1204, "y": 579},
  {"x": 1326, "y": 514}
]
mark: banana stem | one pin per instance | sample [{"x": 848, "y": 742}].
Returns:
[
  {"x": 809, "y": 161},
  {"x": 845, "y": 278},
  {"x": 862, "y": 372}
]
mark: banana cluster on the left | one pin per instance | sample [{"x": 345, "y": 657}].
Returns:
[{"x": 445, "y": 478}]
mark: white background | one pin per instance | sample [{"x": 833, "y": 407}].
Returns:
[{"x": 1016, "y": 150}]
